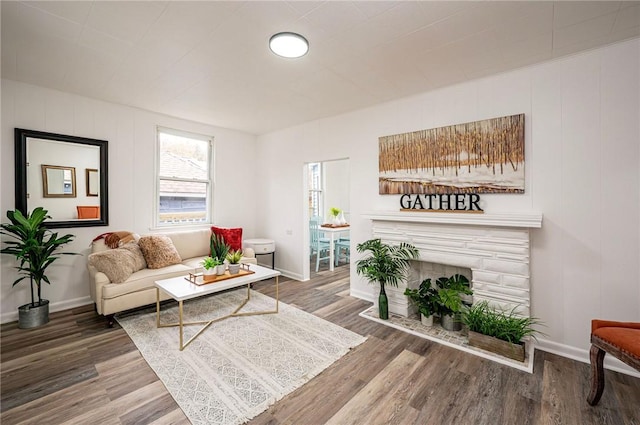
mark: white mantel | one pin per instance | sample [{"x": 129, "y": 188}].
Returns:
[
  {"x": 496, "y": 247},
  {"x": 515, "y": 219}
]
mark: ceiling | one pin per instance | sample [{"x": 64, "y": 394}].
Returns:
[{"x": 210, "y": 62}]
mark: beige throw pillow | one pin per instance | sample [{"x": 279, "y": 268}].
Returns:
[
  {"x": 120, "y": 263},
  {"x": 158, "y": 251}
]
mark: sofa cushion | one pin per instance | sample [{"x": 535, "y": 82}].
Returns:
[
  {"x": 231, "y": 236},
  {"x": 144, "y": 279},
  {"x": 118, "y": 264},
  {"x": 194, "y": 264},
  {"x": 158, "y": 251},
  {"x": 191, "y": 243}
]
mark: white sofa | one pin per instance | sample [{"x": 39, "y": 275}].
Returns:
[{"x": 138, "y": 290}]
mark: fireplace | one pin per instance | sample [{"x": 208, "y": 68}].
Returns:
[
  {"x": 495, "y": 247},
  {"x": 492, "y": 250}
]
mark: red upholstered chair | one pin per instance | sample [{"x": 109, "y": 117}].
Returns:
[{"x": 621, "y": 340}]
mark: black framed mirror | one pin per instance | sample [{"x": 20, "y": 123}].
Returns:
[{"x": 37, "y": 151}]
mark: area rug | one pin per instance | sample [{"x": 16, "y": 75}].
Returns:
[{"x": 239, "y": 366}]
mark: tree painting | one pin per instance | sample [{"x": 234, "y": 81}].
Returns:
[{"x": 477, "y": 157}]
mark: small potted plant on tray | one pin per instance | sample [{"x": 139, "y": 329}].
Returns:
[
  {"x": 210, "y": 264},
  {"x": 219, "y": 249},
  {"x": 426, "y": 299},
  {"x": 234, "y": 258},
  {"x": 501, "y": 332}
]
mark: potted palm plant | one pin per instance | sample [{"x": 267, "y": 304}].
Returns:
[
  {"x": 35, "y": 248},
  {"x": 386, "y": 264},
  {"x": 426, "y": 299}
]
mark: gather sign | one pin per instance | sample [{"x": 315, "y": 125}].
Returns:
[{"x": 441, "y": 202}]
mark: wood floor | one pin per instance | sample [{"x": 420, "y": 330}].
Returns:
[{"x": 74, "y": 370}]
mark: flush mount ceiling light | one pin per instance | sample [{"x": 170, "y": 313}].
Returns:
[{"x": 289, "y": 45}]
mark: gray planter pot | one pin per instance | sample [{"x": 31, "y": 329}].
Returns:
[
  {"x": 30, "y": 316},
  {"x": 451, "y": 322},
  {"x": 234, "y": 268}
]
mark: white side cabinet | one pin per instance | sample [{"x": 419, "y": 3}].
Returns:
[{"x": 262, "y": 247}]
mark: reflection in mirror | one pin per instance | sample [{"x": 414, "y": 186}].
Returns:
[
  {"x": 92, "y": 181},
  {"x": 58, "y": 182},
  {"x": 55, "y": 187}
]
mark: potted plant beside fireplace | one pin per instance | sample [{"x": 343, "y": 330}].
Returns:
[
  {"x": 426, "y": 299},
  {"x": 385, "y": 265},
  {"x": 501, "y": 332},
  {"x": 450, "y": 302}
]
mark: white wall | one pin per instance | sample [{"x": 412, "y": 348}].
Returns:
[
  {"x": 582, "y": 160},
  {"x": 131, "y": 134},
  {"x": 336, "y": 193}
]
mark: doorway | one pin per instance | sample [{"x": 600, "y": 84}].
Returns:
[{"x": 326, "y": 187}]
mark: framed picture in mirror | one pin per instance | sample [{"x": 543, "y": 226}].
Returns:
[
  {"x": 92, "y": 181},
  {"x": 58, "y": 181}
]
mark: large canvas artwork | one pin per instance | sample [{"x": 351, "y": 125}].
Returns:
[{"x": 476, "y": 157}]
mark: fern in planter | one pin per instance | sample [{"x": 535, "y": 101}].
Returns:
[
  {"x": 499, "y": 331},
  {"x": 507, "y": 326}
]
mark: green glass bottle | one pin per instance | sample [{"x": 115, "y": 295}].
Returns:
[{"x": 383, "y": 304}]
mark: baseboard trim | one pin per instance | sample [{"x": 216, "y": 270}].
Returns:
[
  {"x": 53, "y": 307},
  {"x": 367, "y": 296},
  {"x": 291, "y": 275},
  {"x": 582, "y": 355}
]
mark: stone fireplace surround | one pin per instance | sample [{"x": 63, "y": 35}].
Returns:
[{"x": 495, "y": 247}]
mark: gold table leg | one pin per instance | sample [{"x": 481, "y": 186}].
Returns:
[
  {"x": 157, "y": 307},
  {"x": 236, "y": 313}
]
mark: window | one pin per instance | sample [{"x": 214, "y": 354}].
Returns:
[
  {"x": 184, "y": 189},
  {"x": 315, "y": 189}
]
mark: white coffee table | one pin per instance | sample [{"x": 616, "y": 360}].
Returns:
[{"x": 181, "y": 289}]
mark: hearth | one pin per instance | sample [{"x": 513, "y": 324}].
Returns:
[{"x": 492, "y": 250}]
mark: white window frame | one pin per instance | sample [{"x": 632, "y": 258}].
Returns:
[
  {"x": 319, "y": 191},
  {"x": 210, "y": 181}
]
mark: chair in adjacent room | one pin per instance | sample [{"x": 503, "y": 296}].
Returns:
[
  {"x": 621, "y": 340},
  {"x": 318, "y": 244},
  {"x": 342, "y": 250}
]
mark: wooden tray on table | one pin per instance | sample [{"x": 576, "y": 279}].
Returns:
[
  {"x": 334, "y": 226},
  {"x": 200, "y": 279}
]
